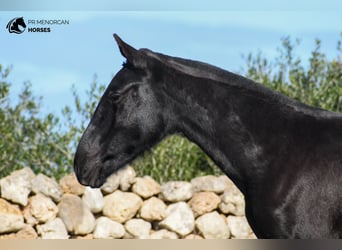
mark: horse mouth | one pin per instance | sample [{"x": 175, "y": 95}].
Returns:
[
  {"x": 92, "y": 176},
  {"x": 93, "y": 180},
  {"x": 95, "y": 173}
]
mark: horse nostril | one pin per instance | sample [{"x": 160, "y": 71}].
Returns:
[{"x": 107, "y": 158}]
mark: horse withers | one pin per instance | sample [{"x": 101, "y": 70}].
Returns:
[{"x": 284, "y": 156}]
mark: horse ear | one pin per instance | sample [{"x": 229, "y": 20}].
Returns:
[{"x": 127, "y": 51}]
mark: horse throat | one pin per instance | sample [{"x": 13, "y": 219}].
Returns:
[{"x": 230, "y": 125}]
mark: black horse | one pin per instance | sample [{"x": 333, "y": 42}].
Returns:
[
  {"x": 14, "y": 25},
  {"x": 285, "y": 156}
]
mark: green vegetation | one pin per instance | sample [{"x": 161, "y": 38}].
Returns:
[
  {"x": 46, "y": 143},
  {"x": 28, "y": 138},
  {"x": 318, "y": 84}
]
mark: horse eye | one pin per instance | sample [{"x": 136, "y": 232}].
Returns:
[
  {"x": 135, "y": 94},
  {"x": 114, "y": 96}
]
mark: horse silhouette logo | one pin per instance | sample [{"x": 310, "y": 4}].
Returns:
[{"x": 16, "y": 25}]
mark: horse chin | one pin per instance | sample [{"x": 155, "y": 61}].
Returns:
[
  {"x": 94, "y": 180},
  {"x": 99, "y": 173}
]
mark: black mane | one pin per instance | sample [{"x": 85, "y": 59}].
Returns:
[{"x": 232, "y": 80}]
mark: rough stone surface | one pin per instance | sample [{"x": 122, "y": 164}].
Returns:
[
  {"x": 76, "y": 215},
  {"x": 47, "y": 186},
  {"x": 11, "y": 219},
  {"x": 121, "y": 206},
  {"x": 232, "y": 201},
  {"x": 193, "y": 237},
  {"x": 124, "y": 178},
  {"x": 209, "y": 183},
  {"x": 84, "y": 237},
  {"x": 239, "y": 227},
  {"x": 146, "y": 187},
  {"x": 28, "y": 217},
  {"x": 153, "y": 209},
  {"x": 175, "y": 191},
  {"x": 132, "y": 208},
  {"x": 108, "y": 229},
  {"x": 42, "y": 208},
  {"x": 17, "y": 186},
  {"x": 93, "y": 198},
  {"x": 127, "y": 177},
  {"x": 69, "y": 184},
  {"x": 163, "y": 234},
  {"x": 139, "y": 228},
  {"x": 112, "y": 183},
  {"x": 204, "y": 202},
  {"x": 179, "y": 218},
  {"x": 54, "y": 229},
  {"x": 212, "y": 226},
  {"x": 27, "y": 233}
]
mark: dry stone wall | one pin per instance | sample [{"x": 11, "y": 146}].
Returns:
[{"x": 126, "y": 206}]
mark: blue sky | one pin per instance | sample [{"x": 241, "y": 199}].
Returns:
[{"x": 72, "y": 54}]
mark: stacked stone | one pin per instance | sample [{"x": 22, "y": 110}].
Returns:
[{"x": 129, "y": 207}]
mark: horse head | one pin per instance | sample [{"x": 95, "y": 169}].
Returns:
[
  {"x": 13, "y": 25},
  {"x": 128, "y": 120}
]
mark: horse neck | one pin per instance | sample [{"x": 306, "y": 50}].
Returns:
[{"x": 234, "y": 124}]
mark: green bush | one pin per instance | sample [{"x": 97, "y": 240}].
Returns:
[
  {"x": 28, "y": 138},
  {"x": 175, "y": 158},
  {"x": 318, "y": 83}
]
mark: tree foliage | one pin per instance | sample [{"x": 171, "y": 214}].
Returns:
[
  {"x": 28, "y": 138},
  {"x": 317, "y": 82},
  {"x": 47, "y": 142}
]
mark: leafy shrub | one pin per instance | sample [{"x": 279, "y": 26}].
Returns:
[
  {"x": 29, "y": 139},
  {"x": 175, "y": 158},
  {"x": 318, "y": 84}
]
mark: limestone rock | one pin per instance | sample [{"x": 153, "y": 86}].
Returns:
[
  {"x": 11, "y": 219},
  {"x": 121, "y": 206},
  {"x": 232, "y": 202},
  {"x": 70, "y": 184},
  {"x": 54, "y": 229},
  {"x": 28, "y": 217},
  {"x": 112, "y": 183},
  {"x": 212, "y": 226},
  {"x": 84, "y": 237},
  {"x": 153, "y": 209},
  {"x": 108, "y": 229},
  {"x": 163, "y": 234},
  {"x": 128, "y": 236},
  {"x": 139, "y": 228},
  {"x": 47, "y": 186},
  {"x": 239, "y": 227},
  {"x": 127, "y": 177},
  {"x": 179, "y": 218},
  {"x": 11, "y": 236},
  {"x": 175, "y": 191},
  {"x": 204, "y": 202},
  {"x": 17, "y": 186},
  {"x": 193, "y": 237},
  {"x": 124, "y": 178},
  {"x": 42, "y": 208},
  {"x": 146, "y": 187},
  {"x": 93, "y": 198},
  {"x": 27, "y": 233},
  {"x": 76, "y": 215},
  {"x": 209, "y": 183}
]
